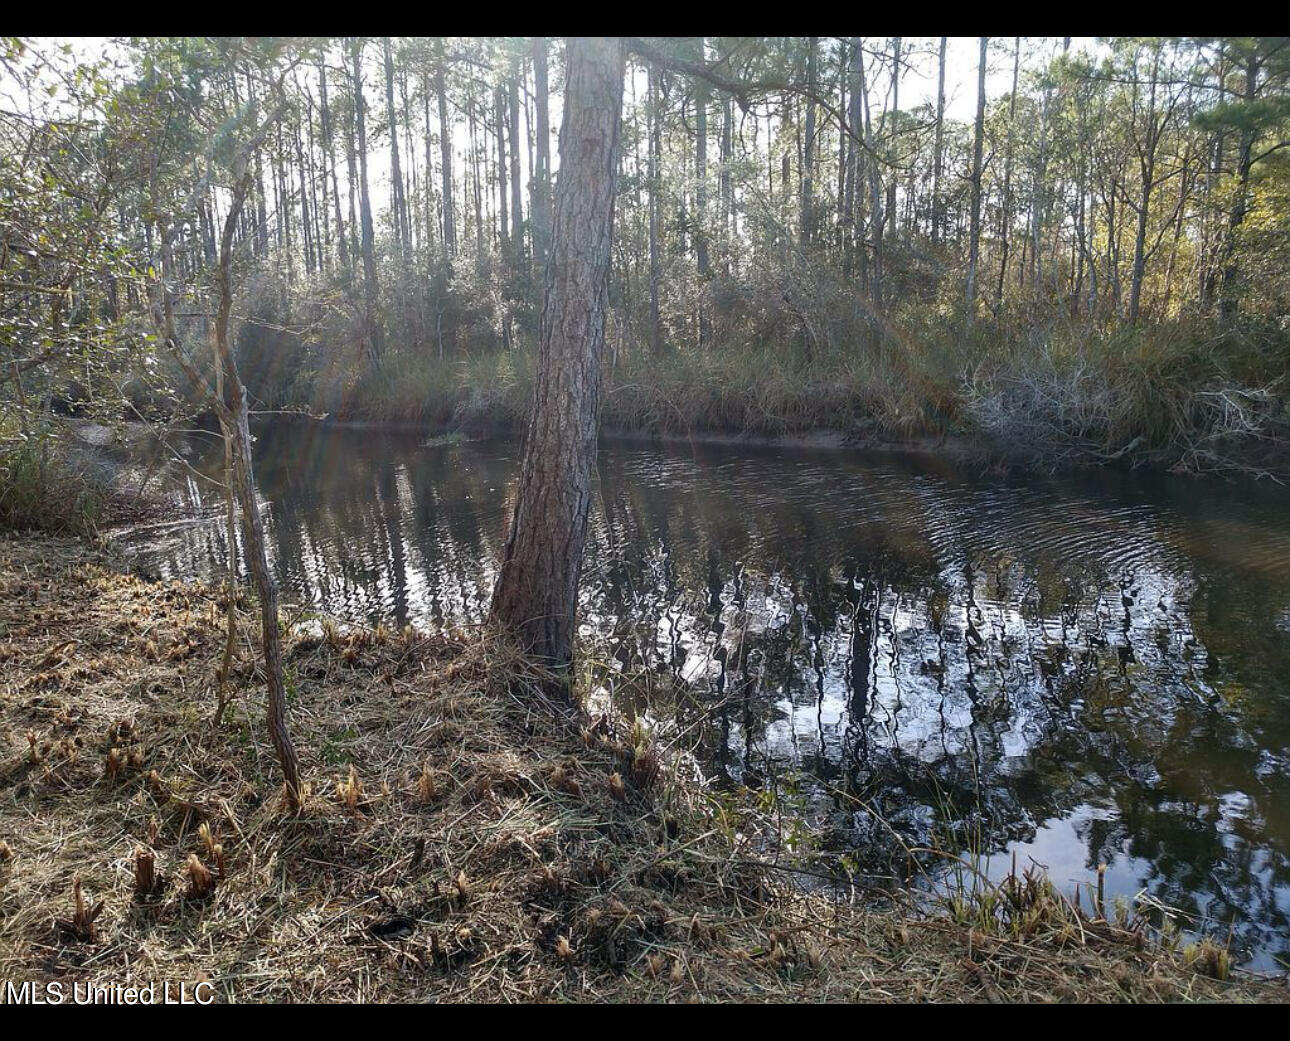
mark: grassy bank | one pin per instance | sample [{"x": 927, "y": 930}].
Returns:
[
  {"x": 461, "y": 841},
  {"x": 55, "y": 481},
  {"x": 1186, "y": 395}
]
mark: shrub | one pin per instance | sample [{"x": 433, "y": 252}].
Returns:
[{"x": 48, "y": 485}]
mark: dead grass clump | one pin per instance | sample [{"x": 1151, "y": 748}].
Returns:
[
  {"x": 349, "y": 792},
  {"x": 201, "y": 882},
  {"x": 115, "y": 765},
  {"x": 147, "y": 882},
  {"x": 1208, "y": 957},
  {"x": 80, "y": 926}
]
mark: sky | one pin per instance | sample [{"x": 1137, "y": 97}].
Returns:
[
  {"x": 918, "y": 83},
  {"x": 962, "y": 54}
]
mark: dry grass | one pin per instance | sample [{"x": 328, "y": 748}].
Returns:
[{"x": 463, "y": 840}]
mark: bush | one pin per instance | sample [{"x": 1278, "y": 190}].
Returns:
[{"x": 46, "y": 484}]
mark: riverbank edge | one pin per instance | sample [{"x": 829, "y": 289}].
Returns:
[
  {"x": 977, "y": 449},
  {"x": 966, "y": 448},
  {"x": 960, "y": 448},
  {"x": 462, "y": 841}
]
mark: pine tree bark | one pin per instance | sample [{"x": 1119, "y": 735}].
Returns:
[{"x": 537, "y": 588}]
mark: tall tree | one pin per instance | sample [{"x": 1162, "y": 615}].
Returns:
[
  {"x": 499, "y": 115},
  {"x": 853, "y": 188},
  {"x": 938, "y": 156},
  {"x": 513, "y": 131},
  {"x": 701, "y": 167},
  {"x": 806, "y": 218},
  {"x": 1005, "y": 207},
  {"x": 540, "y": 206},
  {"x": 1256, "y": 111},
  {"x": 398, "y": 200},
  {"x": 445, "y": 150},
  {"x": 371, "y": 320},
  {"x": 537, "y": 587},
  {"x": 978, "y": 146},
  {"x": 655, "y": 117}
]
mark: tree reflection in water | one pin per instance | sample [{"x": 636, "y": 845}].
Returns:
[{"x": 1085, "y": 670}]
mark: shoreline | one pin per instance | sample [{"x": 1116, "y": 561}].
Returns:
[
  {"x": 961, "y": 448},
  {"x": 973, "y": 449},
  {"x": 965, "y": 449},
  {"x": 507, "y": 861}
]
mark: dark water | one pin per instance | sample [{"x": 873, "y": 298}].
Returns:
[{"x": 1084, "y": 670}]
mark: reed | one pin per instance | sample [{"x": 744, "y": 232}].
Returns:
[{"x": 1184, "y": 393}]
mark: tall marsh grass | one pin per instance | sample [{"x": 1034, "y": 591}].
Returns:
[
  {"x": 47, "y": 485},
  {"x": 1184, "y": 394}
]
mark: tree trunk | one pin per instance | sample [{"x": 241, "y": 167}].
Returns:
[
  {"x": 1039, "y": 198},
  {"x": 235, "y": 423},
  {"x": 700, "y": 167},
  {"x": 806, "y": 217},
  {"x": 1005, "y": 215},
  {"x": 499, "y": 115},
  {"x": 540, "y": 206},
  {"x": 978, "y": 144},
  {"x": 1230, "y": 288},
  {"x": 513, "y": 130},
  {"x": 655, "y": 207},
  {"x": 329, "y": 145},
  {"x": 892, "y": 215},
  {"x": 876, "y": 219},
  {"x": 476, "y": 161},
  {"x": 537, "y": 588},
  {"x": 445, "y": 155},
  {"x": 428, "y": 233},
  {"x": 938, "y": 161},
  {"x": 306, "y": 224},
  {"x": 372, "y": 328},
  {"x": 853, "y": 190},
  {"x": 397, "y": 201},
  {"x": 1147, "y": 171},
  {"x": 729, "y": 220}
]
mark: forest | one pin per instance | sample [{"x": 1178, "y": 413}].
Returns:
[
  {"x": 645, "y": 518},
  {"x": 1090, "y": 269}
]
